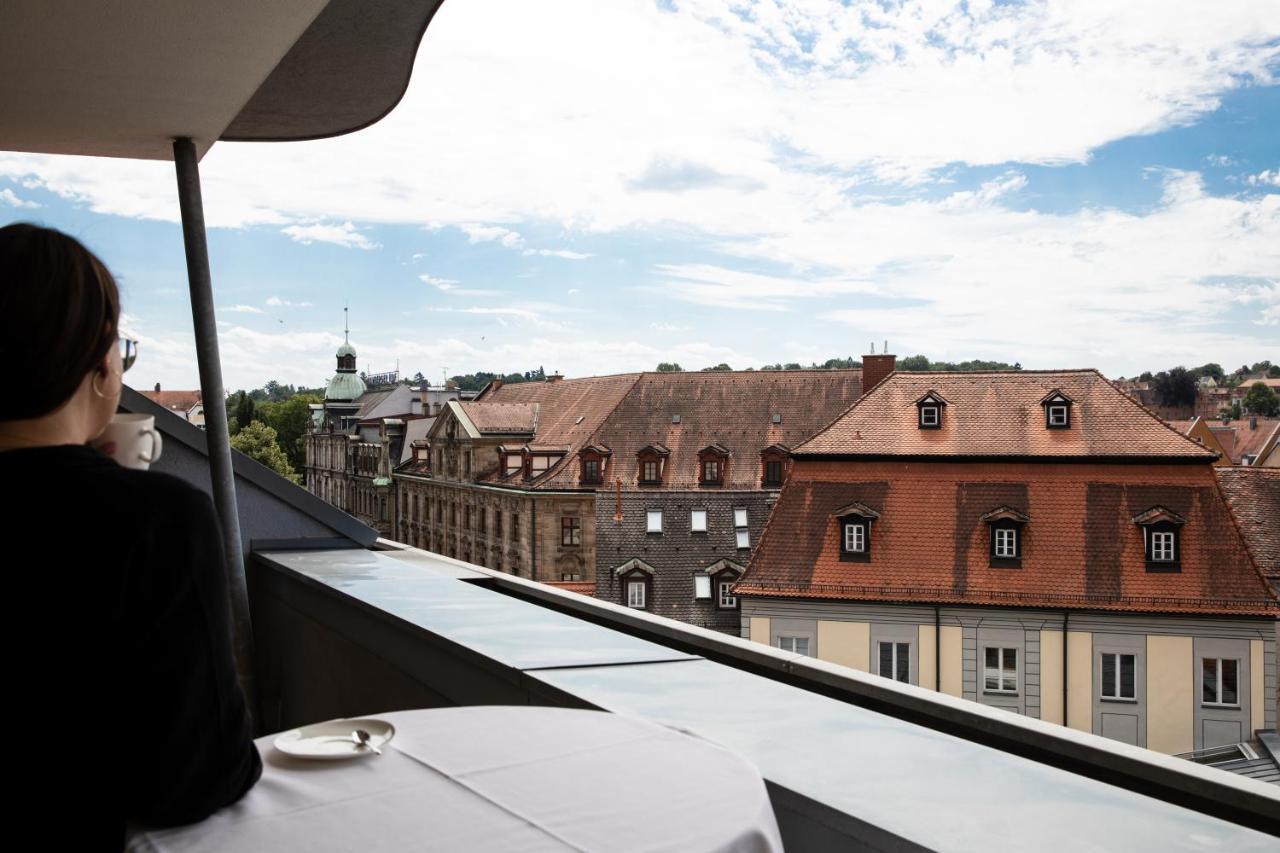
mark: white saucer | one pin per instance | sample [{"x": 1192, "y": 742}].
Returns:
[{"x": 331, "y": 741}]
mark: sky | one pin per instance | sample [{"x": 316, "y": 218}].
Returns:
[{"x": 597, "y": 187}]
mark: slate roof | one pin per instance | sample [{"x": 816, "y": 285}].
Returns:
[
  {"x": 392, "y": 402},
  {"x": 493, "y": 418},
  {"x": 998, "y": 414},
  {"x": 1253, "y": 494},
  {"x": 1081, "y": 548}
]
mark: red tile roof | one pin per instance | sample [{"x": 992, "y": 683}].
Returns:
[
  {"x": 734, "y": 409},
  {"x": 177, "y": 401},
  {"x": 1250, "y": 441},
  {"x": 580, "y": 587},
  {"x": 502, "y": 418},
  {"x": 1081, "y": 547},
  {"x": 999, "y": 414},
  {"x": 1254, "y": 497}
]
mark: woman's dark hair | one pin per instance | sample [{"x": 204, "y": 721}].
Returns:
[{"x": 59, "y": 312}]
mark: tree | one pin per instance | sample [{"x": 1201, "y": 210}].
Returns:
[
  {"x": 1261, "y": 367},
  {"x": 258, "y": 441},
  {"x": 914, "y": 362},
  {"x": 718, "y": 368},
  {"x": 1175, "y": 387},
  {"x": 1145, "y": 376},
  {"x": 1274, "y": 372},
  {"x": 1212, "y": 370},
  {"x": 291, "y": 420},
  {"x": 669, "y": 367},
  {"x": 419, "y": 379},
  {"x": 1261, "y": 400},
  {"x": 241, "y": 410}
]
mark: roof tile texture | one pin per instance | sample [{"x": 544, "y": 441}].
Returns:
[
  {"x": 501, "y": 418},
  {"x": 731, "y": 408},
  {"x": 180, "y": 401},
  {"x": 1081, "y": 548},
  {"x": 999, "y": 414},
  {"x": 1254, "y": 497}
]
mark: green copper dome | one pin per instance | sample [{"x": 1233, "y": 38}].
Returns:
[
  {"x": 346, "y": 349},
  {"x": 344, "y": 386}
]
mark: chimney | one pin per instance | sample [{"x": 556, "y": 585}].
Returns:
[
  {"x": 495, "y": 383},
  {"x": 157, "y": 387},
  {"x": 554, "y": 377},
  {"x": 1253, "y": 421},
  {"x": 876, "y": 367}
]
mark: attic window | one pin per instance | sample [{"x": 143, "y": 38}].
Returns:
[
  {"x": 513, "y": 462},
  {"x": 1005, "y": 537},
  {"x": 1161, "y": 539},
  {"x": 650, "y": 461},
  {"x": 712, "y": 462},
  {"x": 675, "y": 419},
  {"x": 853, "y": 525},
  {"x": 929, "y": 411},
  {"x": 1057, "y": 410}
]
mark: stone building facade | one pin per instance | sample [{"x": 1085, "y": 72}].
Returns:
[
  {"x": 1031, "y": 541},
  {"x": 483, "y": 485},
  {"x": 689, "y": 465}
]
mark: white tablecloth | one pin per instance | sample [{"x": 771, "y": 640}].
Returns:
[{"x": 498, "y": 778}]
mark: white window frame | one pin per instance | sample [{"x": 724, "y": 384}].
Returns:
[
  {"x": 697, "y": 521},
  {"x": 702, "y": 586},
  {"x": 1117, "y": 686},
  {"x": 725, "y": 599},
  {"x": 999, "y": 671},
  {"x": 742, "y": 538},
  {"x": 1057, "y": 415},
  {"x": 929, "y": 415},
  {"x": 895, "y": 647},
  {"x": 1216, "y": 703},
  {"x": 636, "y": 593},
  {"x": 858, "y": 529},
  {"x": 1006, "y": 542},
  {"x": 792, "y": 644},
  {"x": 740, "y": 516},
  {"x": 650, "y": 516},
  {"x": 1163, "y": 546}
]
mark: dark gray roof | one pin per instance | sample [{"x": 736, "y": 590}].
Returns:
[
  {"x": 393, "y": 402},
  {"x": 347, "y": 70},
  {"x": 414, "y": 430},
  {"x": 298, "y": 499}
]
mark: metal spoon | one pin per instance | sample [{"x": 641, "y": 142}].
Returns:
[{"x": 362, "y": 738}]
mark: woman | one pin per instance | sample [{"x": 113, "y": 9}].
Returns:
[{"x": 123, "y": 699}]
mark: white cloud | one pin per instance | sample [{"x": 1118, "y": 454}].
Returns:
[
  {"x": 1221, "y": 161},
  {"x": 1266, "y": 178},
  {"x": 340, "y": 235},
  {"x": 477, "y": 233},
  {"x": 240, "y": 309},
  {"x": 277, "y": 302},
  {"x": 8, "y": 197},
  {"x": 668, "y": 327},
  {"x": 559, "y": 253},
  {"x": 1267, "y": 298},
  {"x": 445, "y": 284},
  {"x": 572, "y": 291}
]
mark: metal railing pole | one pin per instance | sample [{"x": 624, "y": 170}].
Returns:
[{"x": 215, "y": 404}]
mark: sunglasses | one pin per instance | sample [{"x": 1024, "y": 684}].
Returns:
[{"x": 128, "y": 353}]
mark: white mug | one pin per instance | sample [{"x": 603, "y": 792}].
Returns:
[{"x": 131, "y": 440}]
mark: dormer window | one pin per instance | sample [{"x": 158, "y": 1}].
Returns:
[
  {"x": 593, "y": 459},
  {"x": 929, "y": 411},
  {"x": 773, "y": 465},
  {"x": 853, "y": 524},
  {"x": 712, "y": 462},
  {"x": 1057, "y": 410},
  {"x": 1005, "y": 526},
  {"x": 1161, "y": 539},
  {"x": 512, "y": 460},
  {"x": 650, "y": 462},
  {"x": 636, "y": 581}
]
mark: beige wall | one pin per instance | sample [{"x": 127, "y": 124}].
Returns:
[
  {"x": 928, "y": 657},
  {"x": 1257, "y": 700},
  {"x": 1051, "y": 676},
  {"x": 952, "y": 660},
  {"x": 845, "y": 643},
  {"x": 1170, "y": 694},
  {"x": 760, "y": 629},
  {"x": 1079, "y": 680}
]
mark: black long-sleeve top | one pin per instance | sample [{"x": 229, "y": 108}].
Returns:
[{"x": 123, "y": 702}]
